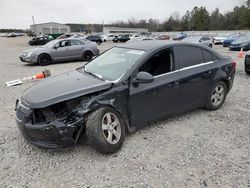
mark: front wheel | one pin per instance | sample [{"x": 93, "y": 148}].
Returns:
[
  {"x": 44, "y": 60},
  {"x": 105, "y": 130},
  {"x": 247, "y": 71},
  {"x": 216, "y": 96}
]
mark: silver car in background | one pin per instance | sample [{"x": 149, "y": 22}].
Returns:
[
  {"x": 60, "y": 50},
  {"x": 199, "y": 39}
]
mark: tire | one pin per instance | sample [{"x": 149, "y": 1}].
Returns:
[
  {"x": 217, "y": 96},
  {"x": 44, "y": 60},
  {"x": 87, "y": 56},
  {"x": 247, "y": 72},
  {"x": 101, "y": 132}
]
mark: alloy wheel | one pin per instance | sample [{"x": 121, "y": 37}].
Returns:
[
  {"x": 111, "y": 128},
  {"x": 218, "y": 95}
]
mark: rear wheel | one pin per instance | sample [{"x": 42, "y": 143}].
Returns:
[
  {"x": 217, "y": 96},
  {"x": 87, "y": 56},
  {"x": 44, "y": 60},
  {"x": 105, "y": 130}
]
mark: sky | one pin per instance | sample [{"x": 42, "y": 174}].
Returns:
[{"x": 18, "y": 13}]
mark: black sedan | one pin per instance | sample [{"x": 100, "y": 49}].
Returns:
[
  {"x": 41, "y": 40},
  {"x": 122, "y": 38},
  {"x": 247, "y": 63},
  {"x": 95, "y": 38},
  {"x": 125, "y": 88}
]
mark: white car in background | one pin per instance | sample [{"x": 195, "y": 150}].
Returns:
[
  {"x": 220, "y": 38},
  {"x": 141, "y": 38},
  {"x": 108, "y": 37}
]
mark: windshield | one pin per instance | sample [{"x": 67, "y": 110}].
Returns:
[
  {"x": 114, "y": 63},
  {"x": 50, "y": 44},
  {"x": 243, "y": 39}
]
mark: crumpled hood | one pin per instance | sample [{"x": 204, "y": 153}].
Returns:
[{"x": 61, "y": 88}]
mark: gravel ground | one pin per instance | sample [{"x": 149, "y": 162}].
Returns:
[{"x": 195, "y": 149}]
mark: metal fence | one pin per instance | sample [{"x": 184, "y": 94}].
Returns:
[{"x": 206, "y": 33}]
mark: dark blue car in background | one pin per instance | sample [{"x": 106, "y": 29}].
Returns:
[
  {"x": 230, "y": 39},
  {"x": 241, "y": 43}
]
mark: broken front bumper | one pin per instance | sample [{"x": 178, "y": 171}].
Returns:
[{"x": 56, "y": 134}]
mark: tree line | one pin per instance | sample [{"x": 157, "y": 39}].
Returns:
[{"x": 198, "y": 19}]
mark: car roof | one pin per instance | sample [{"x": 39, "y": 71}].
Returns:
[
  {"x": 146, "y": 45},
  {"x": 152, "y": 45}
]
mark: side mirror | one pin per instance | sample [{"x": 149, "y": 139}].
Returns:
[
  {"x": 143, "y": 77},
  {"x": 55, "y": 47}
]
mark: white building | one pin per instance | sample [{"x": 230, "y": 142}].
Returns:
[
  {"x": 50, "y": 28},
  {"x": 123, "y": 30}
]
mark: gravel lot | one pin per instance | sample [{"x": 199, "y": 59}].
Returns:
[{"x": 195, "y": 149}]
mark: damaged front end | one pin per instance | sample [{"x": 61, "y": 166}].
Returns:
[{"x": 55, "y": 126}]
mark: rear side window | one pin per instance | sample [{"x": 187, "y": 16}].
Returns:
[
  {"x": 188, "y": 56},
  {"x": 209, "y": 56},
  {"x": 75, "y": 42}
]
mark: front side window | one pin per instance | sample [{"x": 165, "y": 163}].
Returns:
[
  {"x": 114, "y": 63},
  {"x": 159, "y": 63},
  {"x": 63, "y": 43}
]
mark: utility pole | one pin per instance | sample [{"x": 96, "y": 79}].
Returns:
[{"x": 33, "y": 19}]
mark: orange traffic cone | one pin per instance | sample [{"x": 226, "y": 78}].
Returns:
[
  {"x": 241, "y": 53},
  {"x": 44, "y": 74}
]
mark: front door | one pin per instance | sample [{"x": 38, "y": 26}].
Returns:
[
  {"x": 61, "y": 51},
  {"x": 151, "y": 101}
]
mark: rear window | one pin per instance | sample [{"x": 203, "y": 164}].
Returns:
[{"x": 188, "y": 56}]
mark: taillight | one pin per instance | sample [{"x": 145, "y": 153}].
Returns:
[{"x": 234, "y": 66}]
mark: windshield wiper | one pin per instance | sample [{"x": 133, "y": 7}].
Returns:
[{"x": 93, "y": 74}]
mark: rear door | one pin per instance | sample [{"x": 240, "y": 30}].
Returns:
[
  {"x": 76, "y": 49},
  {"x": 195, "y": 75}
]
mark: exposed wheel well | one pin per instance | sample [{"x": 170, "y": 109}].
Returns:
[{"x": 81, "y": 137}]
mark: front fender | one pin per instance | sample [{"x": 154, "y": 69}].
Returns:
[{"x": 116, "y": 98}]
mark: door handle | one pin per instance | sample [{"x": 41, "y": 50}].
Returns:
[
  {"x": 207, "y": 74},
  {"x": 173, "y": 84}
]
